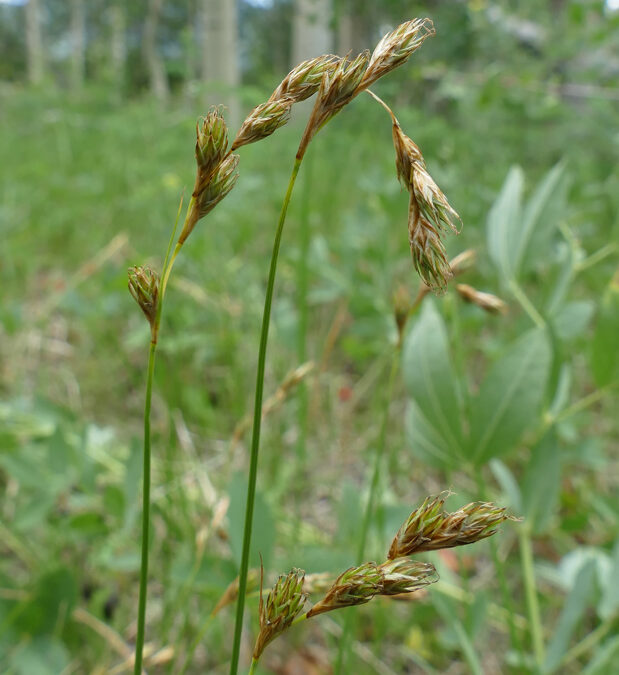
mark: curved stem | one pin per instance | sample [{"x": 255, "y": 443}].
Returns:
[
  {"x": 139, "y": 642},
  {"x": 255, "y": 445}
]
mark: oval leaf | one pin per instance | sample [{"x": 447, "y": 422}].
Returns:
[{"x": 510, "y": 396}]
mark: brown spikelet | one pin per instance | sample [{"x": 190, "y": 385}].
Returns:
[
  {"x": 284, "y": 603},
  {"x": 429, "y": 528},
  {"x": 232, "y": 592},
  {"x": 404, "y": 575},
  {"x": 394, "y": 49},
  {"x": 263, "y": 120},
  {"x": 486, "y": 301},
  {"x": 355, "y": 586},
  {"x": 144, "y": 288},
  {"x": 304, "y": 80},
  {"x": 337, "y": 88}
]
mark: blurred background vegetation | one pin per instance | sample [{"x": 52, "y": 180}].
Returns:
[{"x": 514, "y": 104}]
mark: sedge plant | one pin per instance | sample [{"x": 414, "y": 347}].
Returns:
[{"x": 336, "y": 81}]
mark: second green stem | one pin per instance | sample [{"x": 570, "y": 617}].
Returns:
[{"x": 255, "y": 445}]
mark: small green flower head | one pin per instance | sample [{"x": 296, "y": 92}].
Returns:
[
  {"x": 284, "y": 603},
  {"x": 404, "y": 575},
  {"x": 212, "y": 141},
  {"x": 144, "y": 287},
  {"x": 429, "y": 528},
  {"x": 304, "y": 80},
  {"x": 263, "y": 120},
  {"x": 355, "y": 586}
]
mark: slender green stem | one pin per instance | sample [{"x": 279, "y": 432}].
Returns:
[
  {"x": 526, "y": 304},
  {"x": 252, "y": 668},
  {"x": 255, "y": 444},
  {"x": 369, "y": 507},
  {"x": 528, "y": 575},
  {"x": 141, "y": 620},
  {"x": 139, "y": 642}
]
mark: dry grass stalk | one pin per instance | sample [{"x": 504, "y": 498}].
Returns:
[
  {"x": 355, "y": 586},
  {"x": 232, "y": 592},
  {"x": 284, "y": 603},
  {"x": 287, "y": 386},
  {"x": 486, "y": 301},
  {"x": 429, "y": 528}
]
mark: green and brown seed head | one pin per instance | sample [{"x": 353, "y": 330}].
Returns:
[
  {"x": 284, "y": 603},
  {"x": 429, "y": 528},
  {"x": 211, "y": 141},
  {"x": 355, "y": 586},
  {"x": 395, "y": 48},
  {"x": 304, "y": 80},
  {"x": 144, "y": 287},
  {"x": 404, "y": 575}
]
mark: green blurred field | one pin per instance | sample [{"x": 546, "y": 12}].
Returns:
[{"x": 89, "y": 186}]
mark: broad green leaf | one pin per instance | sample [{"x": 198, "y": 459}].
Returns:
[
  {"x": 431, "y": 381},
  {"x": 541, "y": 484},
  {"x": 263, "y": 535},
  {"x": 511, "y": 490},
  {"x": 539, "y": 218},
  {"x": 510, "y": 396},
  {"x": 575, "y": 605},
  {"x": 604, "y": 355},
  {"x": 602, "y": 662},
  {"x": 44, "y": 655},
  {"x": 504, "y": 221},
  {"x": 573, "y": 319},
  {"x": 426, "y": 441}
]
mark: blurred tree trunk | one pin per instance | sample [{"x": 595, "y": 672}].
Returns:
[
  {"x": 354, "y": 20},
  {"x": 156, "y": 70},
  {"x": 311, "y": 30},
  {"x": 78, "y": 43},
  {"x": 34, "y": 43},
  {"x": 220, "y": 52},
  {"x": 118, "y": 43}
]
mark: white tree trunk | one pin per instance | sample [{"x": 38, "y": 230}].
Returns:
[
  {"x": 156, "y": 70},
  {"x": 34, "y": 43},
  {"x": 78, "y": 43},
  {"x": 118, "y": 43},
  {"x": 220, "y": 52},
  {"x": 311, "y": 32}
]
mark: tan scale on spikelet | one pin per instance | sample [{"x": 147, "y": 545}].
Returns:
[
  {"x": 395, "y": 48},
  {"x": 232, "y": 592},
  {"x": 355, "y": 586},
  {"x": 300, "y": 83},
  {"x": 337, "y": 88},
  {"x": 404, "y": 575},
  {"x": 284, "y": 603},
  {"x": 144, "y": 287},
  {"x": 429, "y": 528}
]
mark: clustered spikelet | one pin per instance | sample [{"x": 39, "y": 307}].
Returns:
[
  {"x": 355, "y": 586},
  {"x": 304, "y": 80},
  {"x": 395, "y": 48},
  {"x": 216, "y": 170},
  {"x": 338, "y": 87},
  {"x": 404, "y": 575},
  {"x": 144, "y": 287},
  {"x": 300, "y": 83},
  {"x": 284, "y": 603},
  {"x": 429, "y": 528},
  {"x": 487, "y": 301},
  {"x": 429, "y": 212}
]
